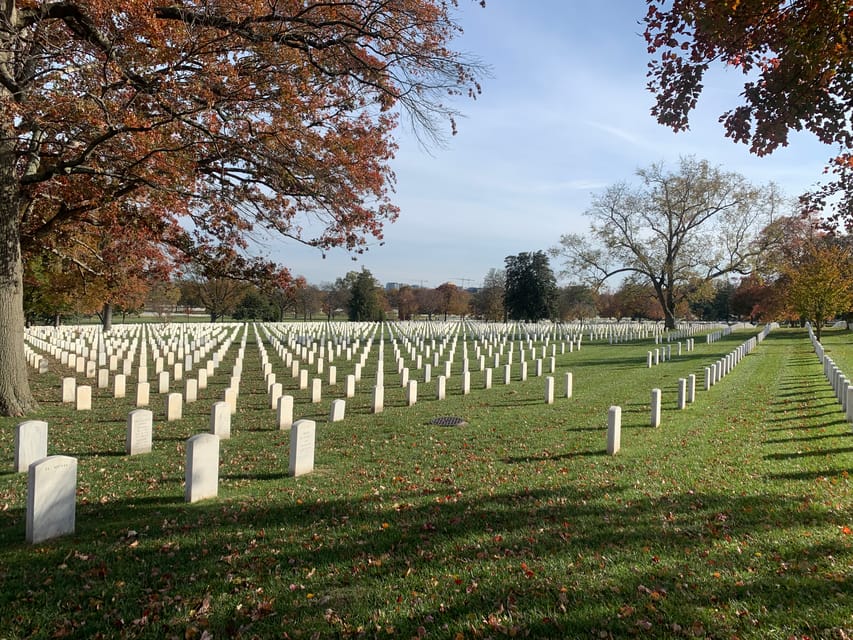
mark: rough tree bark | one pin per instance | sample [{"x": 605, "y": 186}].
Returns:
[{"x": 16, "y": 399}]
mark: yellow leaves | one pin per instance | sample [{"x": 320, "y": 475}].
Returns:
[{"x": 819, "y": 285}]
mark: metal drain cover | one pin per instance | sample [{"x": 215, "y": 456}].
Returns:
[{"x": 448, "y": 421}]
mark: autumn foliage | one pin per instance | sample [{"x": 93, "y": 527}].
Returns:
[
  {"x": 188, "y": 126},
  {"x": 821, "y": 285},
  {"x": 797, "y": 62}
]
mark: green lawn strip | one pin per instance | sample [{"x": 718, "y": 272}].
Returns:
[{"x": 729, "y": 520}]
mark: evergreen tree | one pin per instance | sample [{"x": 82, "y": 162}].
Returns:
[
  {"x": 531, "y": 289},
  {"x": 364, "y": 302}
]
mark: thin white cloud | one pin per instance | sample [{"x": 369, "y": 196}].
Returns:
[{"x": 620, "y": 134}]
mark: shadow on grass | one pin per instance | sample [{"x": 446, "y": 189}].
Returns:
[
  {"x": 838, "y": 419},
  {"x": 255, "y": 476},
  {"x": 589, "y": 453},
  {"x": 518, "y": 402},
  {"x": 466, "y": 562},
  {"x": 826, "y": 436},
  {"x": 807, "y": 475},
  {"x": 808, "y": 454},
  {"x": 97, "y": 454}
]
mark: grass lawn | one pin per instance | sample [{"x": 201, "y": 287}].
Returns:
[{"x": 731, "y": 520}]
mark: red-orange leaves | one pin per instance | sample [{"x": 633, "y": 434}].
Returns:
[
  {"x": 220, "y": 116},
  {"x": 797, "y": 62}
]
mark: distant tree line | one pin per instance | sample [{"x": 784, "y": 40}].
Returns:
[{"x": 690, "y": 243}]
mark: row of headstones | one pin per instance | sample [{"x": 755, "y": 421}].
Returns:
[
  {"x": 94, "y": 348},
  {"x": 83, "y": 355},
  {"x": 37, "y": 361},
  {"x": 412, "y": 332},
  {"x": 92, "y": 343},
  {"x": 713, "y": 336},
  {"x": 664, "y": 354},
  {"x": 686, "y": 386},
  {"x": 616, "y": 334},
  {"x": 56, "y": 475},
  {"x": 842, "y": 386},
  {"x": 621, "y": 332},
  {"x": 402, "y": 370},
  {"x": 691, "y": 329},
  {"x": 52, "y": 480},
  {"x": 81, "y": 395},
  {"x": 497, "y": 332},
  {"x": 686, "y": 389},
  {"x": 31, "y": 435},
  {"x": 97, "y": 359},
  {"x": 78, "y": 363},
  {"x": 378, "y": 397},
  {"x": 284, "y": 403},
  {"x": 723, "y": 366},
  {"x": 494, "y": 350}
]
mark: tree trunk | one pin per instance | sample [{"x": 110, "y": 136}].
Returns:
[
  {"x": 16, "y": 399},
  {"x": 107, "y": 317},
  {"x": 665, "y": 298}
]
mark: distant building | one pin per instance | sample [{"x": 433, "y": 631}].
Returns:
[{"x": 390, "y": 286}]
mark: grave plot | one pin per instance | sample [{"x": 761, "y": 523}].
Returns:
[
  {"x": 521, "y": 482},
  {"x": 404, "y": 353},
  {"x": 257, "y": 372}
]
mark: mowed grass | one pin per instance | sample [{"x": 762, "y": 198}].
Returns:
[{"x": 731, "y": 520}]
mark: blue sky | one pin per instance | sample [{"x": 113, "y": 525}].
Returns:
[{"x": 565, "y": 114}]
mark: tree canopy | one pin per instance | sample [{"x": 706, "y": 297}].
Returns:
[
  {"x": 798, "y": 66},
  {"x": 193, "y": 123},
  {"x": 820, "y": 285},
  {"x": 530, "y": 289},
  {"x": 488, "y": 302},
  {"x": 366, "y": 297},
  {"x": 675, "y": 231},
  {"x": 452, "y": 300}
]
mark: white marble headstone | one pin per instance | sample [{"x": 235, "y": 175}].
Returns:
[
  {"x": 140, "y": 425},
  {"x": 302, "y": 447},
  {"x": 202, "y": 467},
  {"x": 51, "y": 498},
  {"x": 30, "y": 443}
]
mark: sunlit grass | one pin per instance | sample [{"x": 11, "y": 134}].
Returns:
[{"x": 732, "y": 519}]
